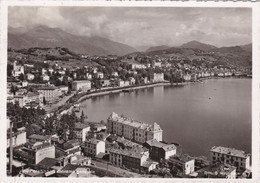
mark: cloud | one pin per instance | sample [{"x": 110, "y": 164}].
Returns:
[{"x": 143, "y": 26}]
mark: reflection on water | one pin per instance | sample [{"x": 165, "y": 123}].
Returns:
[{"x": 198, "y": 116}]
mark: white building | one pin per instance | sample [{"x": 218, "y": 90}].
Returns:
[
  {"x": 93, "y": 147},
  {"x": 30, "y": 76},
  {"x": 231, "y": 156},
  {"x": 133, "y": 130},
  {"x": 120, "y": 83},
  {"x": 81, "y": 131},
  {"x": 115, "y": 74},
  {"x": 185, "y": 162},
  {"x": 137, "y": 66},
  {"x": 100, "y": 75},
  {"x": 83, "y": 85},
  {"x": 158, "y": 77},
  {"x": 45, "y": 77},
  {"x": 17, "y": 69}
]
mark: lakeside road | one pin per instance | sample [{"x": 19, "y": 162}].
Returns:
[{"x": 111, "y": 90}]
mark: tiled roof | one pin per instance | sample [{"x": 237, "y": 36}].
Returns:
[
  {"x": 229, "y": 151},
  {"x": 135, "y": 152},
  {"x": 166, "y": 147},
  {"x": 81, "y": 125},
  {"x": 134, "y": 123},
  {"x": 183, "y": 158}
]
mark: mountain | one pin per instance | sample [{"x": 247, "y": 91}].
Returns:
[
  {"x": 247, "y": 47},
  {"x": 157, "y": 48},
  {"x": 229, "y": 50},
  {"x": 46, "y": 37},
  {"x": 198, "y": 45}
]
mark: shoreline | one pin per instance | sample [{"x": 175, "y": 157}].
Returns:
[{"x": 108, "y": 91}]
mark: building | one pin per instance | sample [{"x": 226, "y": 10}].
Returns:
[
  {"x": 157, "y": 64},
  {"x": 137, "y": 131},
  {"x": 231, "y": 156},
  {"x": 132, "y": 159},
  {"x": 120, "y": 83},
  {"x": 38, "y": 152},
  {"x": 158, "y": 77},
  {"x": 100, "y": 75},
  {"x": 68, "y": 148},
  {"x": 45, "y": 77},
  {"x": 126, "y": 83},
  {"x": 30, "y": 76},
  {"x": 115, "y": 74},
  {"x": 105, "y": 82},
  {"x": 160, "y": 150},
  {"x": 18, "y": 138},
  {"x": 183, "y": 162},
  {"x": 132, "y": 81},
  {"x": 81, "y": 131},
  {"x": 83, "y": 85},
  {"x": 39, "y": 138},
  {"x": 187, "y": 77},
  {"x": 93, "y": 147},
  {"x": 137, "y": 66},
  {"x": 50, "y": 93},
  {"x": 218, "y": 171},
  {"x": 17, "y": 69}
]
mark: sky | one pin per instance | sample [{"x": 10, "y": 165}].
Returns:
[{"x": 142, "y": 27}]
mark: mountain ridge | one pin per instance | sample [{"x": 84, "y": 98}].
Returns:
[{"x": 43, "y": 36}]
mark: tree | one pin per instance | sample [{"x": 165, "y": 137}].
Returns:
[
  {"x": 13, "y": 89},
  {"x": 82, "y": 117},
  {"x": 44, "y": 101}
]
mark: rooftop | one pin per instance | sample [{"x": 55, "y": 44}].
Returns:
[
  {"x": 82, "y": 81},
  {"x": 183, "y": 158},
  {"x": 229, "y": 151},
  {"x": 166, "y": 147},
  {"x": 93, "y": 141},
  {"x": 81, "y": 125},
  {"x": 38, "y": 137},
  {"x": 47, "y": 88},
  {"x": 135, "y": 152},
  {"x": 134, "y": 123}
]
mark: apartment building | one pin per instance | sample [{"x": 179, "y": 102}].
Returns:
[
  {"x": 132, "y": 159},
  {"x": 160, "y": 150},
  {"x": 81, "y": 131},
  {"x": 93, "y": 147},
  {"x": 231, "y": 156},
  {"x": 137, "y": 131},
  {"x": 83, "y": 85}
]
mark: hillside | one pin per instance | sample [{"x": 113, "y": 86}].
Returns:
[
  {"x": 157, "y": 48},
  {"x": 198, "y": 45},
  {"x": 45, "y": 37}
]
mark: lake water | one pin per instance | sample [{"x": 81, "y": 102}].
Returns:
[{"x": 197, "y": 116}]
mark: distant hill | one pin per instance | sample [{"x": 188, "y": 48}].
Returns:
[
  {"x": 157, "y": 48},
  {"x": 45, "y": 37},
  {"x": 247, "y": 47},
  {"x": 198, "y": 45}
]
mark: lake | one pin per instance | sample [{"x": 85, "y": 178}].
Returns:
[{"x": 198, "y": 115}]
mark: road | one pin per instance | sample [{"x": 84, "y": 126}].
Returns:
[{"x": 117, "y": 170}]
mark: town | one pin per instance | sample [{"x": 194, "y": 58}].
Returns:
[{"x": 48, "y": 136}]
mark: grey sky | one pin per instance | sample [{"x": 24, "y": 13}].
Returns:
[{"x": 140, "y": 27}]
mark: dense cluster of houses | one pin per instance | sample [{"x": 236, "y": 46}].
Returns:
[{"x": 123, "y": 142}]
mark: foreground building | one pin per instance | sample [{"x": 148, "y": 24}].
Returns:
[
  {"x": 231, "y": 156},
  {"x": 132, "y": 159},
  {"x": 183, "y": 162},
  {"x": 137, "y": 131},
  {"x": 83, "y": 85},
  {"x": 160, "y": 150},
  {"x": 93, "y": 147},
  {"x": 50, "y": 93}
]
